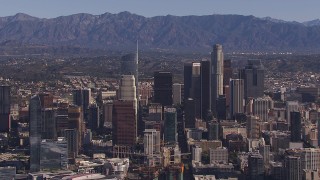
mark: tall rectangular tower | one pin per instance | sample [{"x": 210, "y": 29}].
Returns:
[
  {"x": 170, "y": 125},
  {"x": 205, "y": 88},
  {"x": 237, "y": 96},
  {"x": 253, "y": 76},
  {"x": 5, "y": 123},
  {"x": 217, "y": 74},
  {"x": 163, "y": 88}
]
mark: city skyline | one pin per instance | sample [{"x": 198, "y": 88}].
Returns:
[{"x": 284, "y": 10}]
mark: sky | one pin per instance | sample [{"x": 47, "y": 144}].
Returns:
[{"x": 289, "y": 10}]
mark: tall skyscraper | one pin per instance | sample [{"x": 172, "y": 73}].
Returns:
[
  {"x": 163, "y": 88},
  {"x": 253, "y": 76},
  {"x": 187, "y": 79},
  {"x": 75, "y": 122},
  {"x": 227, "y": 72},
  {"x": 176, "y": 92},
  {"x": 217, "y": 74},
  {"x": 205, "y": 88},
  {"x": 82, "y": 98},
  {"x": 262, "y": 107},
  {"x": 237, "y": 96},
  {"x": 124, "y": 123},
  {"x": 54, "y": 154},
  {"x": 195, "y": 91},
  {"x": 170, "y": 125},
  {"x": 35, "y": 132},
  {"x": 295, "y": 119},
  {"x": 189, "y": 117},
  {"x": 129, "y": 66},
  {"x": 291, "y": 106},
  {"x": 5, "y": 123},
  {"x": 128, "y": 93},
  {"x": 94, "y": 117}
]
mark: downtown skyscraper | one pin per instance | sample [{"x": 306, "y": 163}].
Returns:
[
  {"x": 5, "y": 123},
  {"x": 216, "y": 74}
]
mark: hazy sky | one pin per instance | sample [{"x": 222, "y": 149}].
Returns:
[{"x": 291, "y": 10}]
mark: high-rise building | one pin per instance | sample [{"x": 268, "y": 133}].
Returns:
[
  {"x": 107, "y": 114},
  {"x": 177, "y": 88},
  {"x": 163, "y": 88},
  {"x": 227, "y": 72},
  {"x": 35, "y": 116},
  {"x": 195, "y": 91},
  {"x": 170, "y": 125},
  {"x": 262, "y": 107},
  {"x": 155, "y": 112},
  {"x": 128, "y": 93},
  {"x": 82, "y": 98},
  {"x": 187, "y": 79},
  {"x": 189, "y": 117},
  {"x": 124, "y": 123},
  {"x": 292, "y": 168},
  {"x": 255, "y": 167},
  {"x": 253, "y": 76},
  {"x": 72, "y": 138},
  {"x": 205, "y": 88},
  {"x": 237, "y": 96},
  {"x": 221, "y": 107},
  {"x": 291, "y": 106},
  {"x": 94, "y": 117},
  {"x": 129, "y": 66},
  {"x": 5, "y": 123},
  {"x": 217, "y": 74},
  {"x": 213, "y": 130},
  {"x": 252, "y": 126},
  {"x": 295, "y": 121},
  {"x": 75, "y": 121},
  {"x": 264, "y": 150},
  {"x": 49, "y": 130},
  {"x": 318, "y": 128},
  {"x": 151, "y": 142}
]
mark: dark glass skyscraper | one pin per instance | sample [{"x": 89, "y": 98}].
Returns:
[
  {"x": 295, "y": 119},
  {"x": 35, "y": 132},
  {"x": 129, "y": 66},
  {"x": 253, "y": 76},
  {"x": 195, "y": 90},
  {"x": 170, "y": 125},
  {"x": 205, "y": 88},
  {"x": 163, "y": 88},
  {"x": 187, "y": 79},
  {"x": 81, "y": 98},
  {"x": 5, "y": 123}
]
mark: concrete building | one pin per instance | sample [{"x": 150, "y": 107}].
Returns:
[
  {"x": 218, "y": 155},
  {"x": 196, "y": 153},
  {"x": 253, "y": 131},
  {"x": 176, "y": 93},
  {"x": 262, "y": 107},
  {"x": 151, "y": 142},
  {"x": 237, "y": 96}
]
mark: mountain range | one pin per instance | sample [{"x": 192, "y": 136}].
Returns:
[{"x": 182, "y": 33}]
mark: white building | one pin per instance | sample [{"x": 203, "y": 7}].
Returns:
[{"x": 219, "y": 155}]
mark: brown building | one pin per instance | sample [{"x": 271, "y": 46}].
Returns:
[
  {"x": 75, "y": 121},
  {"x": 124, "y": 123}
]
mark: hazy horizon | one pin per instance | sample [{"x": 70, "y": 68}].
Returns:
[{"x": 283, "y": 10}]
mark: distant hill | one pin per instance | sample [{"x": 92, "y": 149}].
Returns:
[
  {"x": 185, "y": 33},
  {"x": 315, "y": 22}
]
